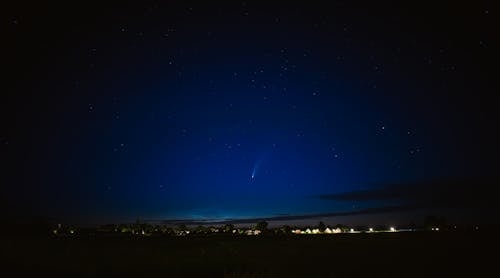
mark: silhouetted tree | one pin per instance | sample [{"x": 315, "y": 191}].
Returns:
[
  {"x": 168, "y": 231},
  {"x": 286, "y": 229},
  {"x": 361, "y": 228},
  {"x": 343, "y": 228},
  {"x": 262, "y": 226},
  {"x": 201, "y": 229},
  {"x": 321, "y": 226},
  {"x": 228, "y": 228}
]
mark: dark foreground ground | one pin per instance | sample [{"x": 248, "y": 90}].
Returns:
[{"x": 424, "y": 254}]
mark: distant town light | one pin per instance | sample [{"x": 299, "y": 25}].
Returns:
[
  {"x": 437, "y": 229},
  {"x": 392, "y": 229},
  {"x": 352, "y": 230},
  {"x": 371, "y": 229}
]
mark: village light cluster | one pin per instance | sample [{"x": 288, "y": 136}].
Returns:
[
  {"x": 317, "y": 231},
  {"x": 145, "y": 229}
]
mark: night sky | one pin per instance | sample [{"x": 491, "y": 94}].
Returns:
[{"x": 208, "y": 112}]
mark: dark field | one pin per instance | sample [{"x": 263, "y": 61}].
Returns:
[{"x": 349, "y": 255}]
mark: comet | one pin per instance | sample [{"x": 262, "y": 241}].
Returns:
[{"x": 255, "y": 168}]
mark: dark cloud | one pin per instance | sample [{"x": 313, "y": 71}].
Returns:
[
  {"x": 374, "y": 210},
  {"x": 435, "y": 194}
]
